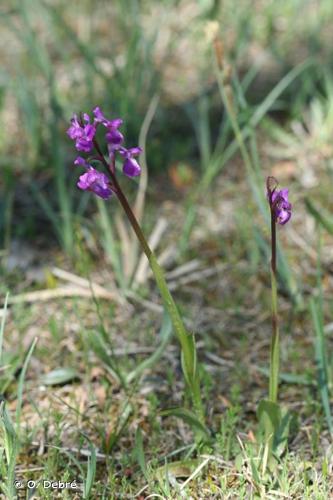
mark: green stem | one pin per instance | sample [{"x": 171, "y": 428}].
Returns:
[
  {"x": 189, "y": 356},
  {"x": 186, "y": 340},
  {"x": 275, "y": 342}
]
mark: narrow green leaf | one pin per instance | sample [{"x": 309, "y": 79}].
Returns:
[
  {"x": 59, "y": 376},
  {"x": 91, "y": 471},
  {"x": 254, "y": 471},
  {"x": 21, "y": 382},
  {"x": 2, "y": 326},
  {"x": 11, "y": 446},
  {"x": 121, "y": 424},
  {"x": 139, "y": 451},
  {"x": 104, "y": 353},
  {"x": 181, "y": 468},
  {"x": 289, "y": 378},
  {"x": 165, "y": 336},
  {"x": 321, "y": 360},
  {"x": 188, "y": 417},
  {"x": 321, "y": 216}
]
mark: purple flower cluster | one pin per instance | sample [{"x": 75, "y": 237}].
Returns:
[
  {"x": 83, "y": 130},
  {"x": 278, "y": 201}
]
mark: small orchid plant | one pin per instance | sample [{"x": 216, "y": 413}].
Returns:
[
  {"x": 105, "y": 184},
  {"x": 280, "y": 210},
  {"x": 274, "y": 421}
]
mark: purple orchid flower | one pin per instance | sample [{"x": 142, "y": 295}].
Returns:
[
  {"x": 131, "y": 167},
  {"x": 96, "y": 182},
  {"x": 82, "y": 133},
  {"x": 278, "y": 200},
  {"x": 93, "y": 180},
  {"x": 99, "y": 116},
  {"x": 114, "y": 137}
]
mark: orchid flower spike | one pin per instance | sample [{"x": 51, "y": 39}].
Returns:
[{"x": 83, "y": 131}]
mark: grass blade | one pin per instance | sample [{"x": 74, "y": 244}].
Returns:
[
  {"x": 321, "y": 360},
  {"x": 91, "y": 471},
  {"x": 2, "y": 326},
  {"x": 139, "y": 452},
  {"x": 165, "y": 336},
  {"x": 21, "y": 382}
]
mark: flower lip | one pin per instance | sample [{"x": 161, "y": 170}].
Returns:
[
  {"x": 131, "y": 168},
  {"x": 96, "y": 182}
]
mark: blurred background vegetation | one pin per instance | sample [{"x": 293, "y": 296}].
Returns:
[{"x": 61, "y": 57}]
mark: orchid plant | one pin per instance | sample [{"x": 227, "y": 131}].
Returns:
[
  {"x": 280, "y": 210},
  {"x": 105, "y": 184},
  {"x": 274, "y": 422}
]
